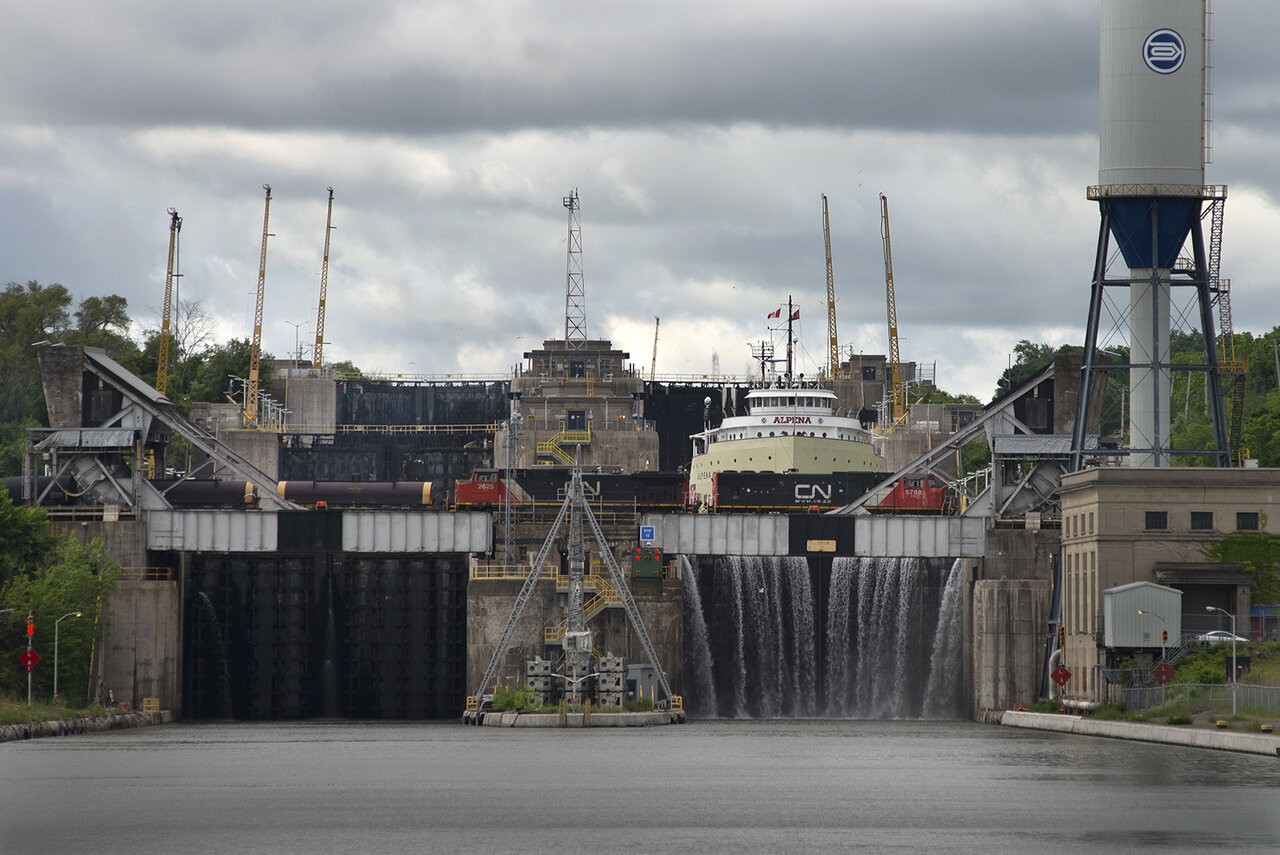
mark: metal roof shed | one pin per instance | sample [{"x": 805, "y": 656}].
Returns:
[{"x": 1123, "y": 626}]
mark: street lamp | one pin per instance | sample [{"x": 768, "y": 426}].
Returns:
[
  {"x": 1233, "y": 653},
  {"x": 1164, "y": 631},
  {"x": 55, "y": 650}
]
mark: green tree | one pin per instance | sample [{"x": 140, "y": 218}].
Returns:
[
  {"x": 213, "y": 380},
  {"x": 76, "y": 578},
  {"x": 29, "y": 314},
  {"x": 25, "y": 538},
  {"x": 1259, "y": 553}
]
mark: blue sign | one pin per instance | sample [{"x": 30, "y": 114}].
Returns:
[
  {"x": 648, "y": 534},
  {"x": 1164, "y": 51}
]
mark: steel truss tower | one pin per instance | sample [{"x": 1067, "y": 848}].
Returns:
[
  {"x": 575, "y": 297},
  {"x": 577, "y": 509},
  {"x": 1148, "y": 287}
]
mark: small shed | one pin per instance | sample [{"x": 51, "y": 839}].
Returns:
[{"x": 1134, "y": 615}]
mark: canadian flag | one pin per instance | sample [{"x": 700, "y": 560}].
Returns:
[
  {"x": 776, "y": 313},
  {"x": 795, "y": 316}
]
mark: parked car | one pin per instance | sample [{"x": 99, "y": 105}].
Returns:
[{"x": 1218, "y": 635}]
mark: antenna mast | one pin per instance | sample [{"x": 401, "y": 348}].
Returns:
[
  {"x": 318, "y": 350},
  {"x": 575, "y": 298}
]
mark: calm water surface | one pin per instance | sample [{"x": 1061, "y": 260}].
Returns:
[{"x": 707, "y": 787}]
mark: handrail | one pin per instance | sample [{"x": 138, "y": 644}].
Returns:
[{"x": 413, "y": 429}]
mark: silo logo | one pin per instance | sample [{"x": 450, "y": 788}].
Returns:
[{"x": 1163, "y": 51}]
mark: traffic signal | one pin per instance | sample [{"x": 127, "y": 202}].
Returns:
[
  {"x": 1062, "y": 636},
  {"x": 31, "y": 625},
  {"x": 1164, "y": 636}
]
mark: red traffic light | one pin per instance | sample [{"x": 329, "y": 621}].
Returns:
[{"x": 31, "y": 626}]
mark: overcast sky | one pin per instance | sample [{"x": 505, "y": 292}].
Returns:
[{"x": 700, "y": 137}]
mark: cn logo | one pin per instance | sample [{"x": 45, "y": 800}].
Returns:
[
  {"x": 813, "y": 492},
  {"x": 1164, "y": 51}
]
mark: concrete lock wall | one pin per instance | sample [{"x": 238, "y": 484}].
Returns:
[
  {"x": 489, "y": 604},
  {"x": 142, "y": 655},
  {"x": 1010, "y": 617},
  {"x": 257, "y": 446}
]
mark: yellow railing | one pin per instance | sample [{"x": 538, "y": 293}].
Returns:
[
  {"x": 146, "y": 574},
  {"x": 509, "y": 571},
  {"x": 473, "y": 703},
  {"x": 677, "y": 703},
  {"x": 291, "y": 427}
]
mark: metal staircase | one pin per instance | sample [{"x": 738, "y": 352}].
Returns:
[
  {"x": 554, "y": 447},
  {"x": 606, "y": 596}
]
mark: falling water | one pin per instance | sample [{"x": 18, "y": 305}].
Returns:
[
  {"x": 697, "y": 649},
  {"x": 890, "y": 632},
  {"x": 942, "y": 695},
  {"x": 222, "y": 654}
]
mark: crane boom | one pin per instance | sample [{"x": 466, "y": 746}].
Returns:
[
  {"x": 255, "y": 352},
  {"x": 162, "y": 357},
  {"x": 653, "y": 367},
  {"x": 895, "y": 363},
  {"x": 317, "y": 352},
  {"x": 834, "y": 365}
]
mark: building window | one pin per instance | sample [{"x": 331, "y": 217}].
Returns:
[
  {"x": 1247, "y": 521},
  {"x": 1090, "y": 522},
  {"x": 1202, "y": 520},
  {"x": 1157, "y": 520}
]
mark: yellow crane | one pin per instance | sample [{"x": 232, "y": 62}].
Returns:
[
  {"x": 895, "y": 363},
  {"x": 318, "y": 350},
  {"x": 834, "y": 365},
  {"x": 162, "y": 357},
  {"x": 653, "y": 367},
  {"x": 255, "y": 352}
]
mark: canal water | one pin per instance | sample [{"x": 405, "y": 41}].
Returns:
[{"x": 772, "y": 786}]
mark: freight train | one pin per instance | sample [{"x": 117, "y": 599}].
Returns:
[
  {"x": 760, "y": 492},
  {"x": 749, "y": 492}
]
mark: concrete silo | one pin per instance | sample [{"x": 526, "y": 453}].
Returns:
[{"x": 1151, "y": 194}]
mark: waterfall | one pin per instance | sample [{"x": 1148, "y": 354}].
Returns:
[
  {"x": 942, "y": 695},
  {"x": 701, "y": 689},
  {"x": 890, "y": 634}
]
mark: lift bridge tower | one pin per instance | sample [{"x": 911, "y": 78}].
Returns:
[{"x": 1152, "y": 197}]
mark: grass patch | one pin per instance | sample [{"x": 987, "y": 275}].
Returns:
[{"x": 14, "y": 712}]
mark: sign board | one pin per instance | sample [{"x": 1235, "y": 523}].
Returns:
[
  {"x": 648, "y": 534},
  {"x": 29, "y": 658},
  {"x": 820, "y": 546},
  {"x": 1163, "y": 672},
  {"x": 1061, "y": 675}
]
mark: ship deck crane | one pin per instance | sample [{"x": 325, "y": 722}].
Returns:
[
  {"x": 162, "y": 357},
  {"x": 834, "y": 364},
  {"x": 895, "y": 363},
  {"x": 317, "y": 352},
  {"x": 255, "y": 352}
]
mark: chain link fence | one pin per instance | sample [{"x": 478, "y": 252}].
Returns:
[{"x": 1192, "y": 698}]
